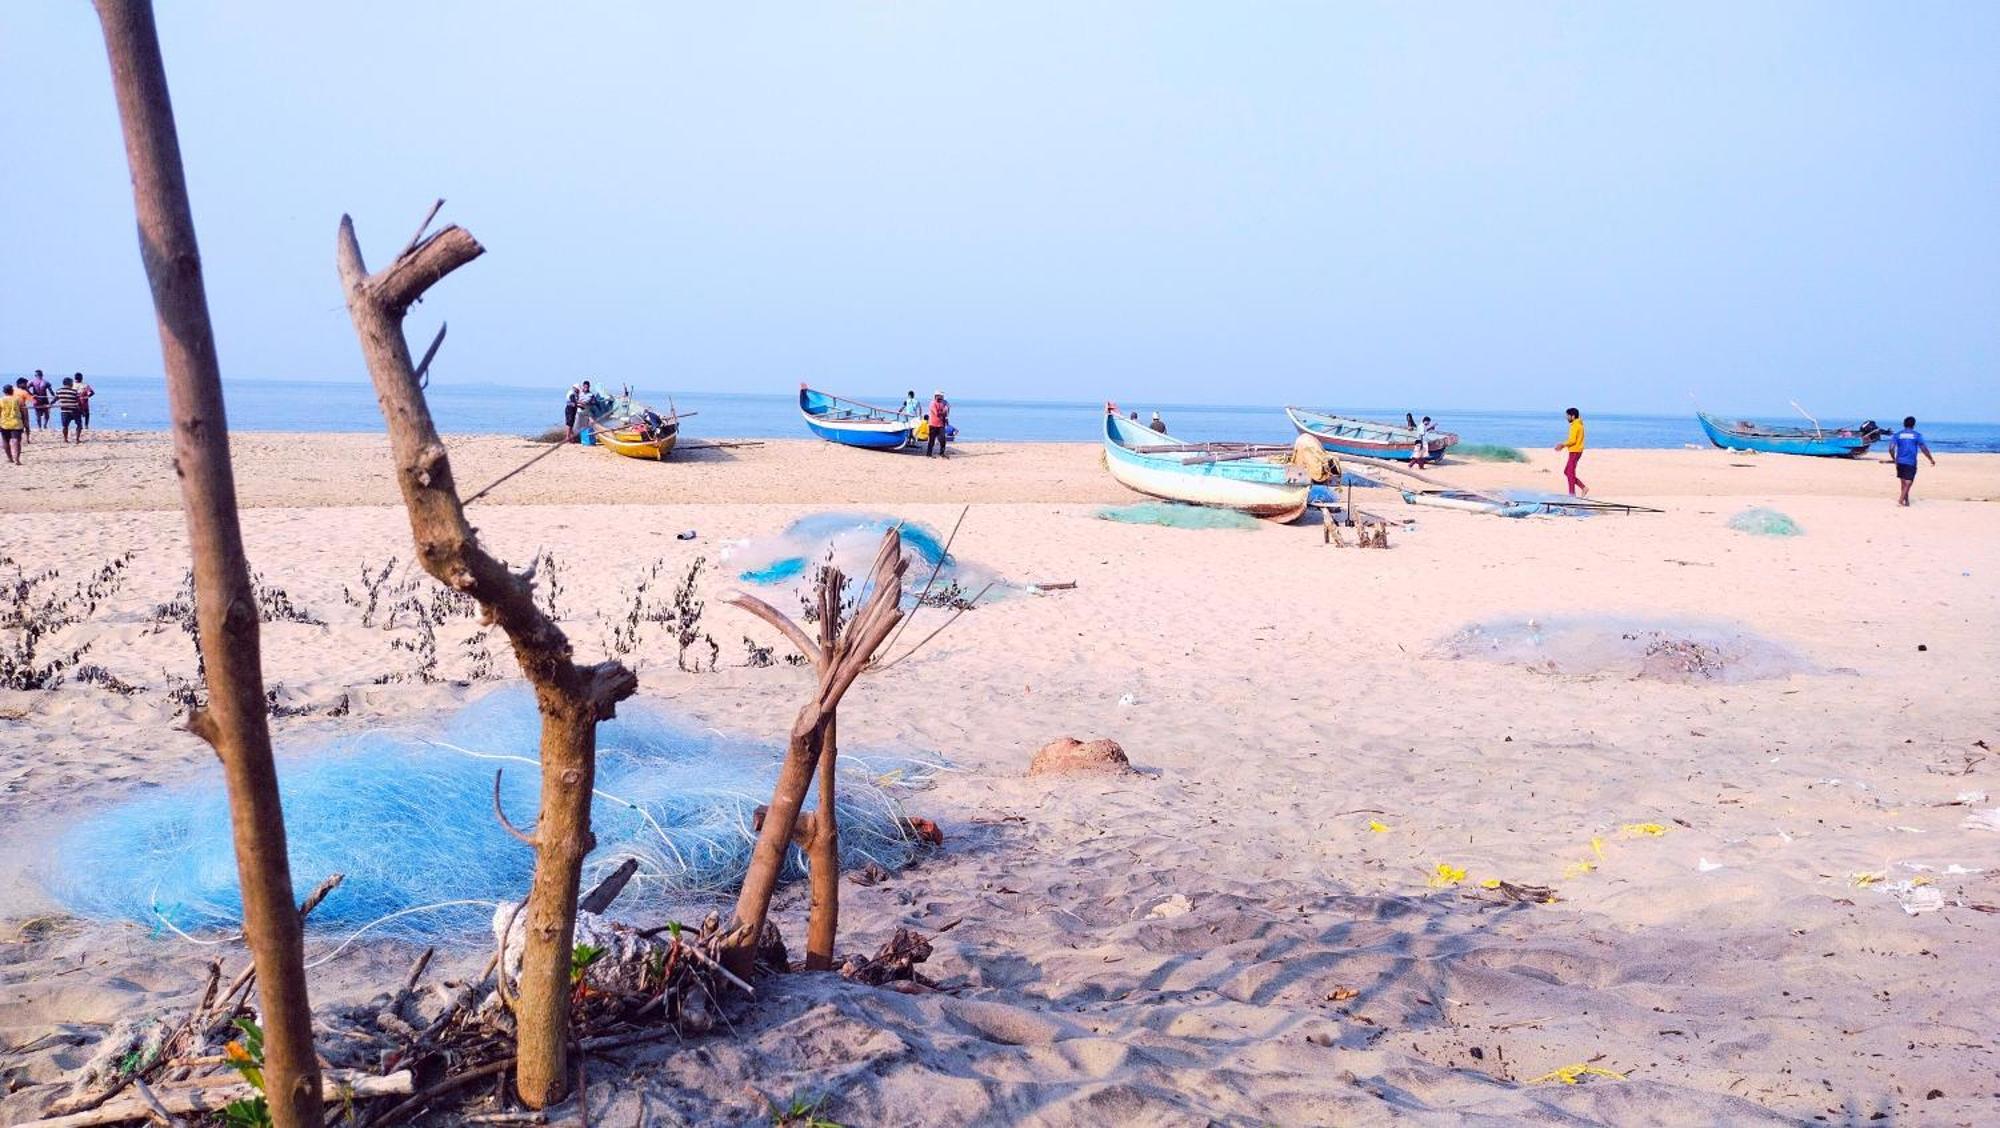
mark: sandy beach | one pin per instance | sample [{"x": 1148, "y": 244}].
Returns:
[{"x": 1771, "y": 905}]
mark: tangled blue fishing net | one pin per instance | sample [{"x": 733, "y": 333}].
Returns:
[
  {"x": 408, "y": 817},
  {"x": 849, "y": 541}
]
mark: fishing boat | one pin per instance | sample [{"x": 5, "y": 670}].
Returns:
[
  {"x": 1189, "y": 472},
  {"x": 639, "y": 439},
  {"x": 1365, "y": 437},
  {"x": 1845, "y": 442},
  {"x": 855, "y": 424}
]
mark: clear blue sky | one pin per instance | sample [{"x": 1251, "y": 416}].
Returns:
[{"x": 1474, "y": 206}]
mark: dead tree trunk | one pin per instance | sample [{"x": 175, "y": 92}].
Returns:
[
  {"x": 233, "y": 722},
  {"x": 839, "y": 657},
  {"x": 572, "y": 698}
]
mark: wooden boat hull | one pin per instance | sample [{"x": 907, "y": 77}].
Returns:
[
  {"x": 627, "y": 441},
  {"x": 1365, "y": 438},
  {"x": 856, "y": 425},
  {"x": 1254, "y": 487},
  {"x": 1845, "y": 443}
]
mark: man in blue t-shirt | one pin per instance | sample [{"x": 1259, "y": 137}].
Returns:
[{"x": 1905, "y": 444}]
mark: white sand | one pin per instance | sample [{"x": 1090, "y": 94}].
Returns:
[{"x": 1287, "y": 694}]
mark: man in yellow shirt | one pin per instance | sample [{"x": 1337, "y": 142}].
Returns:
[
  {"x": 13, "y": 420},
  {"x": 1574, "y": 445}
]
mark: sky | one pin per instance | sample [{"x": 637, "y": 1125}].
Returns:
[{"x": 1474, "y": 206}]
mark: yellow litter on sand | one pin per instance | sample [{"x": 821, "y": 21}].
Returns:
[
  {"x": 1597, "y": 846},
  {"x": 1642, "y": 830},
  {"x": 1446, "y": 875},
  {"x": 1574, "y": 1074},
  {"x": 1867, "y": 879},
  {"x": 1378, "y": 827},
  {"x": 1490, "y": 883},
  {"x": 1578, "y": 869}
]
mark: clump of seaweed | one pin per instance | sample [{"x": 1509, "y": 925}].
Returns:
[{"x": 33, "y": 611}]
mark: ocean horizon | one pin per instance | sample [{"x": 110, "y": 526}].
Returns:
[{"x": 140, "y": 403}]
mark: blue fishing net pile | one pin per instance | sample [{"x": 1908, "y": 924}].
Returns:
[
  {"x": 408, "y": 818},
  {"x": 849, "y": 542}
]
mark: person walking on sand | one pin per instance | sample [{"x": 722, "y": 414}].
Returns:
[
  {"x": 66, "y": 404},
  {"x": 13, "y": 422},
  {"x": 935, "y": 421},
  {"x": 1905, "y": 445},
  {"x": 83, "y": 394},
  {"x": 45, "y": 398},
  {"x": 1574, "y": 445}
]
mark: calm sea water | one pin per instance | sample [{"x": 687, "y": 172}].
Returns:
[{"x": 283, "y": 405}]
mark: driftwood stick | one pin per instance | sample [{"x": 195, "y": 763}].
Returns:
[
  {"x": 501, "y": 813},
  {"x": 430, "y": 354},
  {"x": 571, "y": 698},
  {"x": 436, "y": 207},
  {"x": 234, "y": 722},
  {"x": 935, "y": 569},
  {"x": 607, "y": 890},
  {"x": 793, "y": 633}
]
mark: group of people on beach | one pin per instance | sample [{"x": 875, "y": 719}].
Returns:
[
  {"x": 933, "y": 422},
  {"x": 28, "y": 403}
]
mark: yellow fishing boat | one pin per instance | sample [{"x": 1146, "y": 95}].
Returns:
[{"x": 640, "y": 440}]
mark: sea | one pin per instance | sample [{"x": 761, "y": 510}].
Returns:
[{"x": 138, "y": 403}]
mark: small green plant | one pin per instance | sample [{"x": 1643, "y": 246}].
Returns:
[
  {"x": 246, "y": 1056},
  {"x": 801, "y": 1112},
  {"x": 580, "y": 959}
]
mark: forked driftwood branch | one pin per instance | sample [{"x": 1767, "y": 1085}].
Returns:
[
  {"x": 234, "y": 722},
  {"x": 572, "y": 698},
  {"x": 839, "y": 656}
]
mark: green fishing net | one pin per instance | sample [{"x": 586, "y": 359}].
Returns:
[
  {"x": 1488, "y": 452},
  {"x": 1764, "y": 522},
  {"x": 1175, "y": 515}
]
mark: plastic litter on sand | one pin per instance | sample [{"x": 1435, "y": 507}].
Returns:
[
  {"x": 1670, "y": 651},
  {"x": 1765, "y": 522},
  {"x": 408, "y": 817}
]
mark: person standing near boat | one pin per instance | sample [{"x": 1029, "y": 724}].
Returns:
[
  {"x": 912, "y": 406},
  {"x": 578, "y": 402},
  {"x": 1904, "y": 445},
  {"x": 936, "y": 420},
  {"x": 1420, "y": 450},
  {"x": 1158, "y": 424},
  {"x": 1574, "y": 445}
]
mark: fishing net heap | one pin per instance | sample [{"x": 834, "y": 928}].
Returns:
[
  {"x": 408, "y": 817},
  {"x": 1670, "y": 652},
  {"x": 849, "y": 541},
  {"x": 1765, "y": 522},
  {"x": 1488, "y": 452},
  {"x": 1177, "y": 515}
]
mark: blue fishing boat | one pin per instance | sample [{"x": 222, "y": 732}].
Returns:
[
  {"x": 1845, "y": 442},
  {"x": 1246, "y": 479},
  {"x": 855, "y": 424},
  {"x": 1365, "y": 438}
]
